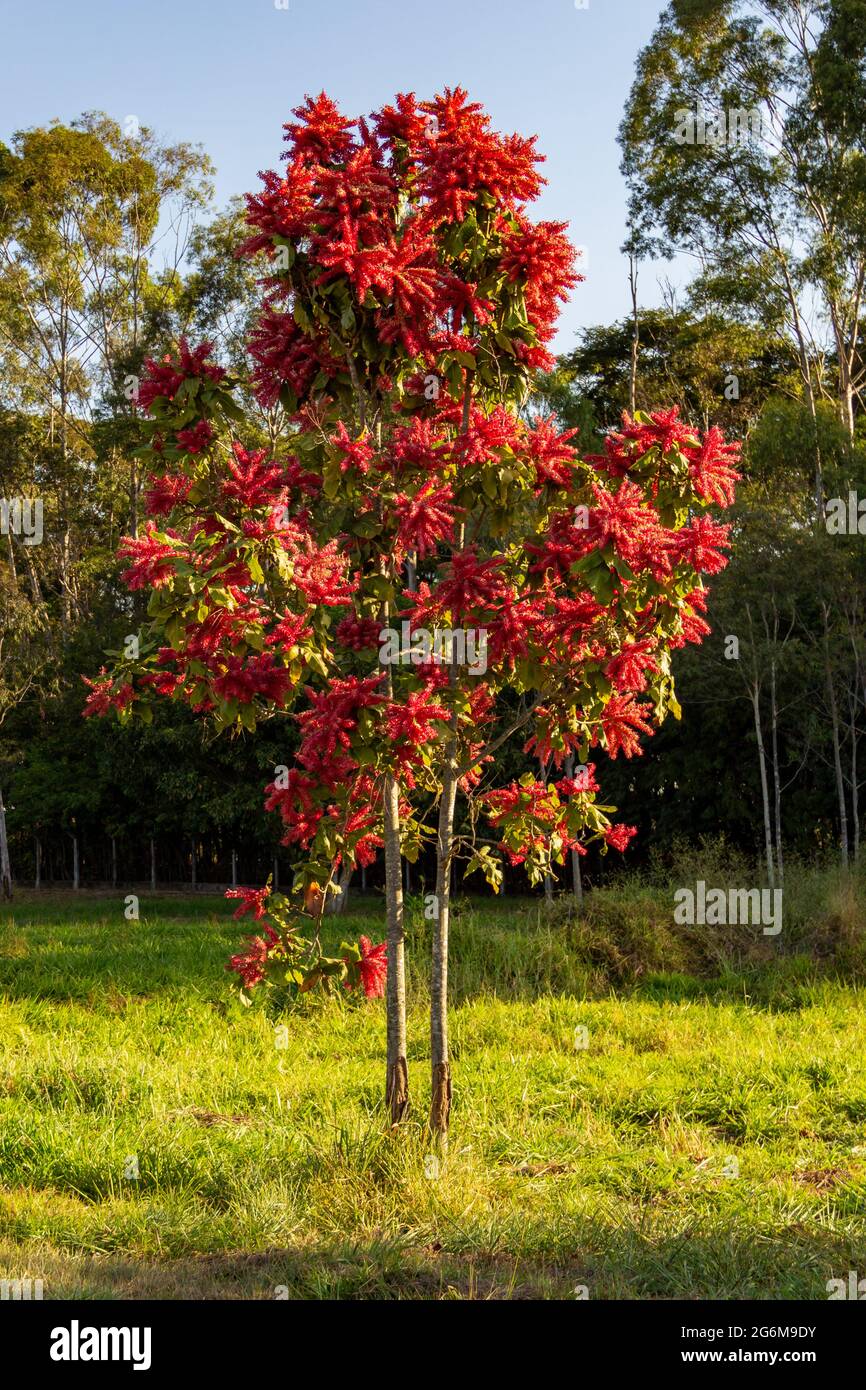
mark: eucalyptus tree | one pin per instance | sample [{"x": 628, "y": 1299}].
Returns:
[
  {"x": 744, "y": 145},
  {"x": 95, "y": 219}
]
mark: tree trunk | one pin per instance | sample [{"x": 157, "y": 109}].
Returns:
[
  {"x": 76, "y": 865},
  {"x": 234, "y": 868},
  {"x": 396, "y": 1067},
  {"x": 576, "y": 875},
  {"x": 765, "y": 791},
  {"x": 113, "y": 862},
  {"x": 837, "y": 755},
  {"x": 440, "y": 1099},
  {"x": 577, "y": 881},
  {"x": 635, "y": 337},
  {"x": 194, "y": 885},
  {"x": 855, "y": 792},
  {"x": 397, "y": 1076},
  {"x": 806, "y": 375},
  {"x": 5, "y": 868},
  {"x": 37, "y": 883},
  {"x": 440, "y": 1066},
  {"x": 777, "y": 784},
  {"x": 336, "y": 902},
  {"x": 152, "y": 866},
  {"x": 133, "y": 499},
  {"x": 844, "y": 363},
  {"x": 548, "y": 877}
]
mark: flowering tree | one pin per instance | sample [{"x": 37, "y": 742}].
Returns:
[{"x": 419, "y": 519}]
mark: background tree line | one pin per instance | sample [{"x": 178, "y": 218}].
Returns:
[{"x": 110, "y": 249}]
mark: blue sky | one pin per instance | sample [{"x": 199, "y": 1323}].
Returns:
[{"x": 225, "y": 73}]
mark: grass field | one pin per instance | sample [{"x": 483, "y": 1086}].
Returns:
[{"x": 708, "y": 1142}]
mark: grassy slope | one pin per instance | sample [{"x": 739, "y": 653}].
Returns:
[{"x": 263, "y": 1167}]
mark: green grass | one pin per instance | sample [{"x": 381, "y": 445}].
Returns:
[{"x": 261, "y": 1167}]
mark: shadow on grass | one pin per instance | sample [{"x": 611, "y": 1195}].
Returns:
[{"x": 607, "y": 1261}]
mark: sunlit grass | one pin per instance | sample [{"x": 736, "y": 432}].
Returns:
[{"x": 709, "y": 1141}]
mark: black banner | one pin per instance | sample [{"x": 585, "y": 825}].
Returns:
[{"x": 82, "y": 1339}]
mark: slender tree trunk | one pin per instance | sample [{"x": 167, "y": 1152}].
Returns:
[
  {"x": 34, "y": 581},
  {"x": 192, "y": 846},
  {"x": 13, "y": 571},
  {"x": 765, "y": 791},
  {"x": 65, "y": 519},
  {"x": 844, "y": 362},
  {"x": 576, "y": 879},
  {"x": 806, "y": 375},
  {"x": 847, "y": 401},
  {"x": 76, "y": 865},
  {"x": 152, "y": 866},
  {"x": 548, "y": 877},
  {"x": 397, "y": 1076},
  {"x": 38, "y": 880},
  {"x": 337, "y": 902},
  {"x": 440, "y": 1065},
  {"x": 5, "y": 867},
  {"x": 855, "y": 793},
  {"x": 234, "y": 868},
  {"x": 440, "y": 1100},
  {"x": 834, "y": 723},
  {"x": 133, "y": 499},
  {"x": 396, "y": 1064},
  {"x": 635, "y": 336},
  {"x": 113, "y": 861},
  {"x": 777, "y": 784}
]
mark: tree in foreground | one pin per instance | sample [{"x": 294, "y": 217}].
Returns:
[{"x": 428, "y": 574}]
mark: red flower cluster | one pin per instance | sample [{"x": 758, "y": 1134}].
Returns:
[
  {"x": 367, "y": 209},
  {"x": 153, "y": 559},
  {"x": 242, "y": 678},
  {"x": 253, "y": 479},
  {"x": 251, "y": 965},
  {"x": 252, "y": 900},
  {"x": 327, "y": 726},
  {"x": 359, "y": 634},
  {"x": 104, "y": 696},
  {"x": 372, "y": 967},
  {"x": 711, "y": 460},
  {"x": 424, "y": 519},
  {"x": 166, "y": 377},
  {"x": 320, "y": 572}
]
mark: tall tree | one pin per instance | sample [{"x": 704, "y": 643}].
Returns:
[
  {"x": 88, "y": 214},
  {"x": 743, "y": 145},
  {"x": 410, "y": 296}
]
